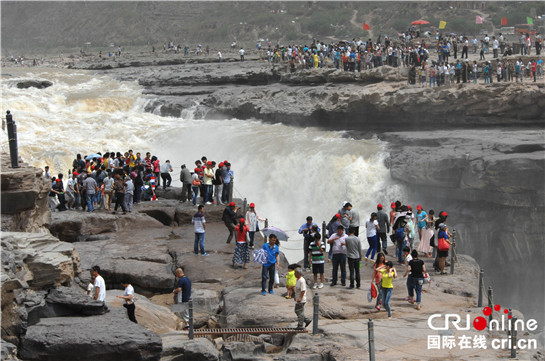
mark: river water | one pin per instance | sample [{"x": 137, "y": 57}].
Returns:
[{"x": 289, "y": 173}]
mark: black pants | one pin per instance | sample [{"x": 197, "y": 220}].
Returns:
[
  {"x": 382, "y": 241},
  {"x": 356, "y": 231},
  {"x": 306, "y": 245},
  {"x": 231, "y": 227},
  {"x": 120, "y": 201},
  {"x": 354, "y": 268},
  {"x": 130, "y": 311},
  {"x": 167, "y": 179}
]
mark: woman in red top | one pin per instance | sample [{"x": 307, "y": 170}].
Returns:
[
  {"x": 242, "y": 252},
  {"x": 380, "y": 264}
]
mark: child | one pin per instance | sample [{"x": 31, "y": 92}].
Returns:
[
  {"x": 388, "y": 275},
  {"x": 290, "y": 281},
  {"x": 406, "y": 255}
]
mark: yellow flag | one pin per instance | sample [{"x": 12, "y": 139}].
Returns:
[{"x": 442, "y": 24}]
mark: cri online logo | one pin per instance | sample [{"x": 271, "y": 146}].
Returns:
[{"x": 480, "y": 323}]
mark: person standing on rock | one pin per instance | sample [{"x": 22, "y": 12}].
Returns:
[
  {"x": 166, "y": 168},
  {"x": 183, "y": 294},
  {"x": 90, "y": 186},
  {"x": 185, "y": 178},
  {"x": 316, "y": 254},
  {"x": 100, "y": 285},
  {"x": 268, "y": 269},
  {"x": 420, "y": 220},
  {"x": 252, "y": 221},
  {"x": 306, "y": 230},
  {"x": 200, "y": 226},
  {"x": 338, "y": 259},
  {"x": 384, "y": 229},
  {"x": 241, "y": 52},
  {"x": 242, "y": 252},
  {"x": 388, "y": 275},
  {"x": 229, "y": 218},
  {"x": 354, "y": 256},
  {"x": 208, "y": 176},
  {"x": 128, "y": 296},
  {"x": 301, "y": 299},
  {"x": 108, "y": 190},
  {"x": 218, "y": 184},
  {"x": 119, "y": 189}
]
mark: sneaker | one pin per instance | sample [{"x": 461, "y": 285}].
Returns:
[
  {"x": 372, "y": 261},
  {"x": 351, "y": 286},
  {"x": 321, "y": 285},
  {"x": 418, "y": 307},
  {"x": 315, "y": 286},
  {"x": 385, "y": 251},
  {"x": 208, "y": 203},
  {"x": 271, "y": 292},
  {"x": 378, "y": 308},
  {"x": 332, "y": 284},
  {"x": 308, "y": 323},
  {"x": 205, "y": 254},
  {"x": 263, "y": 293},
  {"x": 287, "y": 297}
]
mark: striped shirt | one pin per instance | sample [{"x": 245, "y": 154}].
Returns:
[
  {"x": 317, "y": 252},
  {"x": 198, "y": 221}
]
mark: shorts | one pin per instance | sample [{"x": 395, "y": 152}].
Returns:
[
  {"x": 442, "y": 253},
  {"x": 318, "y": 268}
]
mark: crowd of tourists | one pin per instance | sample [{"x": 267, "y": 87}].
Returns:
[{"x": 98, "y": 180}]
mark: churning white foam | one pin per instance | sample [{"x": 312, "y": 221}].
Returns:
[{"x": 288, "y": 172}]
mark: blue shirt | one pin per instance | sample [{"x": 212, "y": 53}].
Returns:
[
  {"x": 226, "y": 175},
  {"x": 185, "y": 294},
  {"x": 421, "y": 217},
  {"x": 305, "y": 225},
  {"x": 271, "y": 254}
]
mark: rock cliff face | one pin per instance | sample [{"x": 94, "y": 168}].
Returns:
[{"x": 24, "y": 198}]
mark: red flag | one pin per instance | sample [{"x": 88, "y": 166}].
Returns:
[
  {"x": 503, "y": 21},
  {"x": 366, "y": 27}
]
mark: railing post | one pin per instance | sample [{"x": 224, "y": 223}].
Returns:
[
  {"x": 244, "y": 207},
  {"x": 371, "y": 334},
  {"x": 12, "y": 137},
  {"x": 231, "y": 187},
  {"x": 490, "y": 302},
  {"x": 191, "y": 319},
  {"x": 316, "y": 303},
  {"x": 323, "y": 235},
  {"x": 513, "y": 342},
  {"x": 452, "y": 259},
  {"x": 480, "y": 299}
]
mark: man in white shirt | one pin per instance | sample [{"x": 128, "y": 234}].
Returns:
[
  {"x": 100, "y": 285},
  {"x": 241, "y": 52},
  {"x": 166, "y": 168},
  {"x": 338, "y": 259},
  {"x": 301, "y": 299}
]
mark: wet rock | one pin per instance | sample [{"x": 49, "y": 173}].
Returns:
[
  {"x": 69, "y": 301},
  {"x": 176, "y": 347},
  {"x": 153, "y": 317},
  {"x": 106, "y": 337},
  {"x": 40, "y": 84},
  {"x": 74, "y": 226},
  {"x": 8, "y": 351}
]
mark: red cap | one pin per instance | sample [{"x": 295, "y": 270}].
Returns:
[
  {"x": 443, "y": 214},
  {"x": 221, "y": 164},
  {"x": 418, "y": 207},
  {"x": 75, "y": 173},
  {"x": 197, "y": 170},
  {"x": 241, "y": 220},
  {"x": 209, "y": 163},
  {"x": 379, "y": 206},
  {"x": 232, "y": 204},
  {"x": 410, "y": 208},
  {"x": 225, "y": 161},
  {"x": 338, "y": 215},
  {"x": 393, "y": 205},
  {"x": 252, "y": 205}
]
